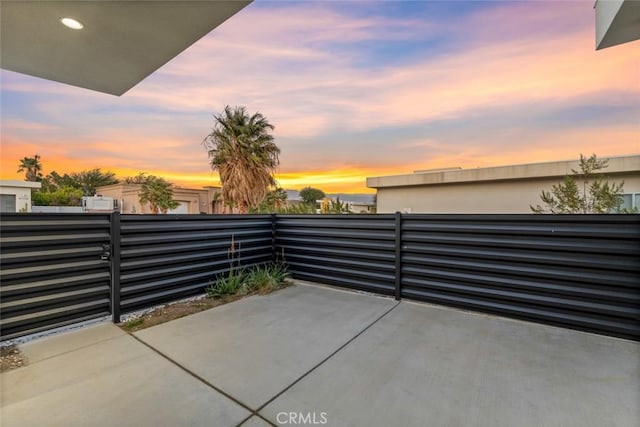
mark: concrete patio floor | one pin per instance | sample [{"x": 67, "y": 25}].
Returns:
[{"x": 337, "y": 358}]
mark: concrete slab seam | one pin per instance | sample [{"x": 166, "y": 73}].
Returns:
[
  {"x": 259, "y": 416},
  {"x": 328, "y": 357},
  {"x": 198, "y": 377},
  {"x": 73, "y": 350}
]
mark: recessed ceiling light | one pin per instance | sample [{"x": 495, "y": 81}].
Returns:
[{"x": 72, "y": 23}]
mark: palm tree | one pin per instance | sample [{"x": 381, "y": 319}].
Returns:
[
  {"x": 32, "y": 168},
  {"x": 89, "y": 180},
  {"x": 158, "y": 193},
  {"x": 242, "y": 150}
]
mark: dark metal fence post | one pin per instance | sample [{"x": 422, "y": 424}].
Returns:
[
  {"x": 398, "y": 270},
  {"x": 115, "y": 266},
  {"x": 274, "y": 257}
]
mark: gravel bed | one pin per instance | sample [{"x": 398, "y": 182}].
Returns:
[{"x": 141, "y": 313}]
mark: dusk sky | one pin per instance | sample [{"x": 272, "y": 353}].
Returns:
[{"x": 354, "y": 89}]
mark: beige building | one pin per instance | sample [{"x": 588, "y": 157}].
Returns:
[
  {"x": 191, "y": 201},
  {"x": 15, "y": 196},
  {"x": 503, "y": 189}
]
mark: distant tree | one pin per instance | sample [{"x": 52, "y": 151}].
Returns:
[
  {"x": 138, "y": 179},
  {"x": 158, "y": 193},
  {"x": 32, "y": 167},
  {"x": 89, "y": 180},
  {"x": 55, "y": 181},
  {"x": 311, "y": 195},
  {"x": 299, "y": 209},
  {"x": 274, "y": 202},
  {"x": 57, "y": 190},
  {"x": 334, "y": 206},
  {"x": 276, "y": 198},
  {"x": 63, "y": 196},
  {"x": 40, "y": 198},
  {"x": 86, "y": 181},
  {"x": 242, "y": 150},
  {"x": 595, "y": 196}
]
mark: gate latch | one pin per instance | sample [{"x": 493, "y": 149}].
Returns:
[{"x": 106, "y": 253}]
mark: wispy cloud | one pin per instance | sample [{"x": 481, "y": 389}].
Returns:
[{"x": 473, "y": 90}]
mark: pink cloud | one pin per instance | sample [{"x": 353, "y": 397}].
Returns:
[
  {"x": 305, "y": 75},
  {"x": 540, "y": 67}
]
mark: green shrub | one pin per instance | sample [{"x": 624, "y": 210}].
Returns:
[
  {"x": 280, "y": 273},
  {"x": 260, "y": 278},
  {"x": 267, "y": 276},
  {"x": 228, "y": 285}
]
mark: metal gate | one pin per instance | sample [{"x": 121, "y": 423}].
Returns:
[{"x": 53, "y": 272}]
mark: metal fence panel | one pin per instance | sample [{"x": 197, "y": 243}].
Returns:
[
  {"x": 577, "y": 271},
  {"x": 167, "y": 257},
  {"x": 52, "y": 271},
  {"x": 353, "y": 251}
]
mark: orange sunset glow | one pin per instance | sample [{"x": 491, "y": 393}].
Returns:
[{"x": 362, "y": 90}]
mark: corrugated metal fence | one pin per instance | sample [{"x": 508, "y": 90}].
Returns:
[
  {"x": 353, "y": 251},
  {"x": 577, "y": 271},
  {"x": 52, "y": 272},
  {"x": 168, "y": 257}
]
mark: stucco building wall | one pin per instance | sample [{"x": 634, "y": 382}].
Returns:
[
  {"x": 192, "y": 201},
  {"x": 20, "y": 194},
  {"x": 506, "y": 189},
  {"x": 494, "y": 197}
]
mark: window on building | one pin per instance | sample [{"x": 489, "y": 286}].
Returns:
[
  {"x": 7, "y": 203},
  {"x": 630, "y": 201}
]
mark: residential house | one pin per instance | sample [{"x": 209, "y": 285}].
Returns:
[
  {"x": 15, "y": 196},
  {"x": 503, "y": 189},
  {"x": 191, "y": 200}
]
